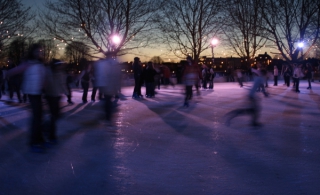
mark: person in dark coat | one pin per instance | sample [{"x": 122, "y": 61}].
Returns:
[
  {"x": 190, "y": 77},
  {"x": 179, "y": 74},
  {"x": 275, "y": 75},
  {"x": 69, "y": 81},
  {"x": 309, "y": 74},
  {"x": 14, "y": 84},
  {"x": 85, "y": 78},
  {"x": 149, "y": 75},
  {"x": 34, "y": 79},
  {"x": 137, "y": 71},
  {"x": 287, "y": 73},
  {"x": 55, "y": 86}
]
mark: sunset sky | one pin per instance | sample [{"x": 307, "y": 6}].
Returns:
[{"x": 146, "y": 54}]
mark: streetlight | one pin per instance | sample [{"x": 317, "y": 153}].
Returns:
[
  {"x": 115, "y": 39},
  {"x": 301, "y": 45},
  {"x": 214, "y": 42}
]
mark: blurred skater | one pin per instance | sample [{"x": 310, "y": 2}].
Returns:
[
  {"x": 149, "y": 75},
  {"x": 205, "y": 76},
  {"x": 309, "y": 74},
  {"x": 107, "y": 74},
  {"x": 14, "y": 84},
  {"x": 69, "y": 81},
  {"x": 211, "y": 78},
  {"x": 34, "y": 75},
  {"x": 253, "y": 108},
  {"x": 190, "y": 76},
  {"x": 239, "y": 77},
  {"x": 297, "y": 74},
  {"x": 166, "y": 75},
  {"x": 54, "y": 88},
  {"x": 287, "y": 74}
]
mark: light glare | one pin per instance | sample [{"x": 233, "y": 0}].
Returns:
[
  {"x": 115, "y": 39},
  {"x": 300, "y": 44},
  {"x": 214, "y": 42}
]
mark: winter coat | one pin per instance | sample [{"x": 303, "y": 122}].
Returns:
[
  {"x": 34, "y": 78},
  {"x": 149, "y": 75},
  {"x": 55, "y": 83},
  {"x": 309, "y": 72},
  {"x": 297, "y": 73},
  {"x": 107, "y": 74},
  {"x": 137, "y": 69},
  {"x": 191, "y": 75}
]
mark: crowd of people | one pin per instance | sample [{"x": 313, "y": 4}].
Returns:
[
  {"x": 50, "y": 82},
  {"x": 38, "y": 81}
]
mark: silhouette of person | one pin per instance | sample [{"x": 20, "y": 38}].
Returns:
[
  {"x": 85, "y": 78},
  {"x": 107, "y": 74},
  {"x": 149, "y": 75},
  {"x": 54, "y": 88},
  {"x": 190, "y": 76},
  {"x": 137, "y": 71},
  {"x": 34, "y": 75},
  {"x": 253, "y": 107}
]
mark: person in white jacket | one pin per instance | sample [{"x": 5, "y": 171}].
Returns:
[
  {"x": 107, "y": 74},
  {"x": 33, "y": 82}
]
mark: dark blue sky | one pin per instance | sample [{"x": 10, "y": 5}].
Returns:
[{"x": 33, "y": 3}]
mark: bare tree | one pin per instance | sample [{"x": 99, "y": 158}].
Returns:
[
  {"x": 95, "y": 22},
  {"x": 75, "y": 51},
  {"x": 49, "y": 49},
  {"x": 187, "y": 26},
  {"x": 156, "y": 60},
  {"x": 17, "y": 50},
  {"x": 244, "y": 27},
  {"x": 14, "y": 20},
  {"x": 291, "y": 22}
]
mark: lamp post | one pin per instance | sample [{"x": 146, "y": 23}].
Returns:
[
  {"x": 300, "y": 45},
  {"x": 214, "y": 42}
]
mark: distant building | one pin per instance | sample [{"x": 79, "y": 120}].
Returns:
[
  {"x": 221, "y": 64},
  {"x": 264, "y": 59}
]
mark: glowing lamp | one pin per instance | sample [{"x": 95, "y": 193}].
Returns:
[
  {"x": 214, "y": 42},
  {"x": 115, "y": 39}
]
